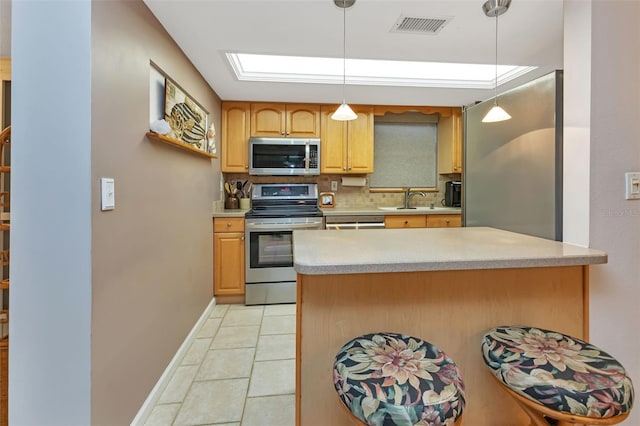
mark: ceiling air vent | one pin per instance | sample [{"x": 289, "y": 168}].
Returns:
[{"x": 415, "y": 25}]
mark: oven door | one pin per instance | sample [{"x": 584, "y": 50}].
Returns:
[
  {"x": 269, "y": 248},
  {"x": 269, "y": 273}
]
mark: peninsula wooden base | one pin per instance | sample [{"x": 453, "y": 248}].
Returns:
[{"x": 451, "y": 309}]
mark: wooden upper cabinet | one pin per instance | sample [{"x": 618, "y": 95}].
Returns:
[
  {"x": 235, "y": 137},
  {"x": 450, "y": 143},
  {"x": 285, "y": 120},
  {"x": 347, "y": 146}
]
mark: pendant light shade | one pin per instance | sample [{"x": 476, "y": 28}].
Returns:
[
  {"x": 495, "y": 8},
  {"x": 495, "y": 114},
  {"x": 344, "y": 111}
]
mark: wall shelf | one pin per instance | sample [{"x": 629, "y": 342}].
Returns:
[{"x": 160, "y": 138}]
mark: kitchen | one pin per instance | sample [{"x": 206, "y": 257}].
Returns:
[{"x": 153, "y": 212}]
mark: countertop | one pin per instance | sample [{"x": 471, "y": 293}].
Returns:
[
  {"x": 373, "y": 210},
  {"x": 229, "y": 213},
  {"x": 430, "y": 249},
  {"x": 346, "y": 211}
]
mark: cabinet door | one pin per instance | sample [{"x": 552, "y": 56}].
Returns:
[
  {"x": 450, "y": 143},
  {"x": 268, "y": 119},
  {"x": 235, "y": 137},
  {"x": 444, "y": 221},
  {"x": 360, "y": 141},
  {"x": 228, "y": 253},
  {"x": 333, "y": 148},
  {"x": 303, "y": 120},
  {"x": 405, "y": 221}
]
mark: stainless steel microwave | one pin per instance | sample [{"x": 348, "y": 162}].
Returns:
[{"x": 284, "y": 156}]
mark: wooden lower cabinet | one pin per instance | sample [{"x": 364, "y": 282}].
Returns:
[
  {"x": 405, "y": 221},
  {"x": 444, "y": 221},
  {"x": 423, "y": 221},
  {"x": 228, "y": 257}
]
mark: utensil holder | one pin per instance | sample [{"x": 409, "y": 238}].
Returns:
[{"x": 231, "y": 203}]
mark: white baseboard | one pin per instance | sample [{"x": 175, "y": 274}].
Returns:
[{"x": 163, "y": 381}]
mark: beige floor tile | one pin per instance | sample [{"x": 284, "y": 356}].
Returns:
[
  {"x": 236, "y": 337},
  {"x": 273, "y": 378},
  {"x": 226, "y": 364},
  {"x": 219, "y": 311},
  {"x": 285, "y": 324},
  {"x": 196, "y": 352},
  {"x": 213, "y": 401},
  {"x": 276, "y": 346},
  {"x": 249, "y": 316},
  {"x": 269, "y": 411},
  {"x": 162, "y": 415},
  {"x": 179, "y": 384},
  {"x": 271, "y": 310},
  {"x": 238, "y": 306},
  {"x": 209, "y": 328}
]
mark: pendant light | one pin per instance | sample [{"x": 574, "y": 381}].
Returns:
[
  {"x": 495, "y": 8},
  {"x": 344, "y": 111}
]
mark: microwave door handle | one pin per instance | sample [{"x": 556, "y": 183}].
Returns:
[{"x": 306, "y": 157}]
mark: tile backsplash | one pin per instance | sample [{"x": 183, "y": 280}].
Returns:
[{"x": 354, "y": 196}]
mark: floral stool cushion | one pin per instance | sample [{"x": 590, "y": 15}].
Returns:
[
  {"x": 392, "y": 379},
  {"x": 560, "y": 372}
]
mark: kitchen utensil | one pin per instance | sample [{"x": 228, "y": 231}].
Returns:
[
  {"x": 227, "y": 188},
  {"x": 239, "y": 188}
]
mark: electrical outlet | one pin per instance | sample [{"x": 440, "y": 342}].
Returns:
[{"x": 334, "y": 185}]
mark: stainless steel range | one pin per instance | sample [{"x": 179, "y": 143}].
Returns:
[{"x": 278, "y": 210}]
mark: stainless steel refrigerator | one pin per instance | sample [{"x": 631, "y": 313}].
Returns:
[{"x": 512, "y": 171}]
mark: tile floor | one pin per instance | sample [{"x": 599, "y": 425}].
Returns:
[{"x": 239, "y": 371}]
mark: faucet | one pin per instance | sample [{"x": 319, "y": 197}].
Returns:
[{"x": 408, "y": 195}]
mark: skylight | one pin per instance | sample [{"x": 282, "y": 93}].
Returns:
[{"x": 300, "y": 69}]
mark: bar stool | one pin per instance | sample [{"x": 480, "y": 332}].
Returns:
[
  {"x": 559, "y": 377},
  {"x": 393, "y": 379}
]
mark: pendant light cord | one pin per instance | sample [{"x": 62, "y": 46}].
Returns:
[
  {"x": 344, "y": 49},
  {"x": 495, "y": 98}
]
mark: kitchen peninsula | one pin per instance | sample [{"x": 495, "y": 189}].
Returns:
[{"x": 447, "y": 286}]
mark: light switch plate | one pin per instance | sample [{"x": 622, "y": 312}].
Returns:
[
  {"x": 632, "y": 185},
  {"x": 108, "y": 191}
]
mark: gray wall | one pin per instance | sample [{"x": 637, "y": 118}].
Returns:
[
  {"x": 100, "y": 301},
  {"x": 51, "y": 244},
  {"x": 615, "y": 149}
]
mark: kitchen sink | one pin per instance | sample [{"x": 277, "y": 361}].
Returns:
[{"x": 413, "y": 209}]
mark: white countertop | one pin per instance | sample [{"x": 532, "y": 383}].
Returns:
[
  {"x": 430, "y": 249},
  {"x": 346, "y": 211},
  {"x": 373, "y": 210}
]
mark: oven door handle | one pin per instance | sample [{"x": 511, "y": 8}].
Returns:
[
  {"x": 338, "y": 226},
  {"x": 284, "y": 227}
]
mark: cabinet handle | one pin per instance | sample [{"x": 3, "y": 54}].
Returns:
[
  {"x": 406, "y": 222},
  {"x": 241, "y": 238},
  {"x": 288, "y": 133},
  {"x": 228, "y": 224},
  {"x": 282, "y": 133},
  {"x": 446, "y": 221}
]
